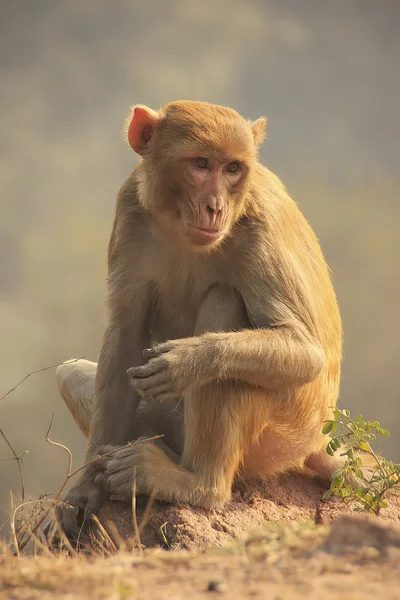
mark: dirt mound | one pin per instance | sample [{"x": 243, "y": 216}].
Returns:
[
  {"x": 290, "y": 497},
  {"x": 354, "y": 558}
]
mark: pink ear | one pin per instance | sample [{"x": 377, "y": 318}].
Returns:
[{"x": 141, "y": 129}]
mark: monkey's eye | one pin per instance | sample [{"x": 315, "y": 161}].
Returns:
[
  {"x": 232, "y": 167},
  {"x": 201, "y": 162}
]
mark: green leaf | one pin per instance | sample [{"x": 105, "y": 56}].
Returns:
[
  {"x": 329, "y": 449},
  {"x": 364, "y": 446},
  {"x": 327, "y": 428},
  {"x": 384, "y": 432}
]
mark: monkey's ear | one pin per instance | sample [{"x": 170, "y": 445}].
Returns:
[
  {"x": 259, "y": 129},
  {"x": 140, "y": 128}
]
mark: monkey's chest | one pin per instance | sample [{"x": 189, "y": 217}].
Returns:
[
  {"x": 176, "y": 306},
  {"x": 174, "y": 316}
]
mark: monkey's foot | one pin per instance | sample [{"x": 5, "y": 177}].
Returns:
[{"x": 125, "y": 467}]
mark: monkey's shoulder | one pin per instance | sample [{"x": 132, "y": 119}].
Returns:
[
  {"x": 273, "y": 215},
  {"x": 128, "y": 197}
]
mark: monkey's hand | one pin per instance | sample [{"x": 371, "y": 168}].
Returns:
[
  {"x": 126, "y": 465},
  {"x": 75, "y": 512},
  {"x": 171, "y": 369}
]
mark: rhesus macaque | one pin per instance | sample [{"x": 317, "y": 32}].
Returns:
[{"x": 218, "y": 294}]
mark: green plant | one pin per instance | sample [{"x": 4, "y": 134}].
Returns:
[{"x": 370, "y": 483}]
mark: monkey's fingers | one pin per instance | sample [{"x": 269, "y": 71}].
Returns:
[
  {"x": 120, "y": 465},
  {"x": 150, "y": 368},
  {"x": 127, "y": 497},
  {"x": 93, "y": 501},
  {"x": 107, "y": 448},
  {"x": 123, "y": 452},
  {"x": 101, "y": 478},
  {"x": 120, "y": 481},
  {"x": 67, "y": 517},
  {"x": 105, "y": 453},
  {"x": 155, "y": 391},
  {"x": 162, "y": 393},
  {"x": 150, "y": 383},
  {"x": 156, "y": 350},
  {"x": 70, "y": 525}
]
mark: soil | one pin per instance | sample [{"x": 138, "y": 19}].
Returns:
[
  {"x": 276, "y": 540},
  {"x": 354, "y": 558},
  {"x": 291, "y": 497}
]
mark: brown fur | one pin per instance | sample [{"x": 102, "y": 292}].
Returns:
[{"x": 245, "y": 327}]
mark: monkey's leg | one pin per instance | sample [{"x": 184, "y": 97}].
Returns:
[
  {"x": 220, "y": 420},
  {"x": 75, "y": 381}
]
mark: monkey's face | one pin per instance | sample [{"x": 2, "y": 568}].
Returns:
[
  {"x": 203, "y": 197},
  {"x": 196, "y": 172}
]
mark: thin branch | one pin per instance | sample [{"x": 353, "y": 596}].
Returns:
[
  {"x": 111, "y": 452},
  {"x": 134, "y": 515},
  {"x": 19, "y": 462},
  {"x": 59, "y": 445},
  {"x": 12, "y": 524},
  {"x": 18, "y": 458},
  {"x": 14, "y": 457},
  {"x": 33, "y": 373},
  {"x": 71, "y": 474},
  {"x": 375, "y": 456},
  {"x": 107, "y": 538},
  {"x": 147, "y": 510}
]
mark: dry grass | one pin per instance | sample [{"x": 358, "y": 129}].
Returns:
[{"x": 280, "y": 562}]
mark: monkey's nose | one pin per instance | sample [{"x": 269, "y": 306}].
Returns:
[{"x": 214, "y": 208}]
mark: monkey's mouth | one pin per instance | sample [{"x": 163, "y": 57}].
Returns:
[{"x": 206, "y": 234}]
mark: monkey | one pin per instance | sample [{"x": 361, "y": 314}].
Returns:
[{"x": 219, "y": 301}]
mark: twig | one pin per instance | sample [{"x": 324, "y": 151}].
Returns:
[
  {"x": 18, "y": 458},
  {"x": 115, "y": 536},
  {"x": 12, "y": 524},
  {"x": 19, "y": 530},
  {"x": 59, "y": 446},
  {"x": 33, "y": 373},
  {"x": 147, "y": 510},
  {"x": 13, "y": 457},
  {"x": 71, "y": 473},
  {"x": 107, "y": 538},
  {"x": 134, "y": 516}
]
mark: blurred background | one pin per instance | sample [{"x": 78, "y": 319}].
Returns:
[{"x": 327, "y": 76}]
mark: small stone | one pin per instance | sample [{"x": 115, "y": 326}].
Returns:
[{"x": 216, "y": 586}]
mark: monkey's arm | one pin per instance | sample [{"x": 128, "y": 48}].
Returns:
[
  {"x": 127, "y": 334},
  {"x": 115, "y": 401},
  {"x": 283, "y": 349},
  {"x": 275, "y": 358},
  {"x": 277, "y": 355},
  {"x": 114, "y": 412}
]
